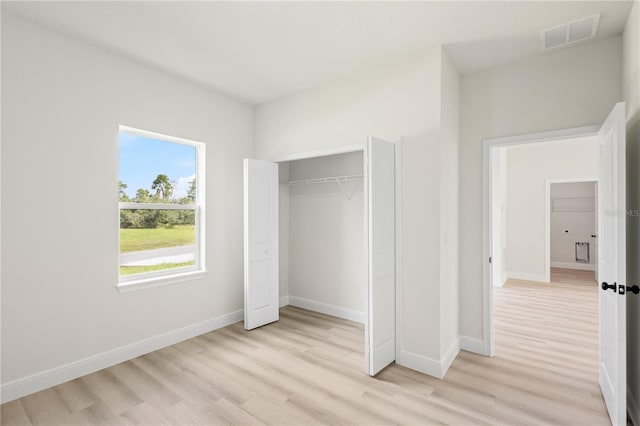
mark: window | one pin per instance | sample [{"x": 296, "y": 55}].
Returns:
[{"x": 161, "y": 202}]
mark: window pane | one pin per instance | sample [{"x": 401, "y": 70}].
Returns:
[
  {"x": 152, "y": 240},
  {"x": 156, "y": 171}
]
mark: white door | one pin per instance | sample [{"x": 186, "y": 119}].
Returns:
[
  {"x": 612, "y": 264},
  {"x": 261, "y": 282},
  {"x": 380, "y": 328},
  {"x": 594, "y": 236}
]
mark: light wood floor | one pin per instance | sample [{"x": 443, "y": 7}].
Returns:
[
  {"x": 573, "y": 276},
  {"x": 307, "y": 369}
]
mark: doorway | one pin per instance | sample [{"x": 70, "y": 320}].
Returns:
[
  {"x": 611, "y": 257},
  {"x": 571, "y": 230},
  {"x": 522, "y": 207},
  {"x": 542, "y": 323}
]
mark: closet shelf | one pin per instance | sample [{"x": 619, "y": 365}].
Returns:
[{"x": 332, "y": 179}]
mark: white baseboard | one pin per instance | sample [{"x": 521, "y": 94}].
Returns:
[
  {"x": 527, "y": 277},
  {"x": 471, "y": 344},
  {"x": 323, "y": 308},
  {"x": 428, "y": 365},
  {"x": 422, "y": 364},
  {"x": 284, "y": 301},
  {"x": 503, "y": 279},
  {"x": 578, "y": 266},
  {"x": 633, "y": 407},
  {"x": 449, "y": 356},
  {"x": 27, "y": 385}
]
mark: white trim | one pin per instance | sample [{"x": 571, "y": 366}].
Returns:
[
  {"x": 450, "y": 356},
  {"x": 201, "y": 202},
  {"x": 487, "y": 293},
  {"x": 158, "y": 281},
  {"x": 365, "y": 248},
  {"x": 527, "y": 277},
  {"x": 430, "y": 366},
  {"x": 503, "y": 279},
  {"x": 633, "y": 408},
  {"x": 398, "y": 265},
  {"x": 34, "y": 383},
  {"x": 547, "y": 219},
  {"x": 324, "y": 308},
  {"x": 345, "y": 149},
  {"x": 160, "y": 136},
  {"x": 577, "y": 266},
  {"x": 552, "y": 135},
  {"x": 427, "y": 365},
  {"x": 284, "y": 300},
  {"x": 422, "y": 364},
  {"x": 471, "y": 344},
  {"x": 156, "y": 206},
  {"x": 487, "y": 145}
]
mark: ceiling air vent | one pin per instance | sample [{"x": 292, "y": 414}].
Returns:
[{"x": 569, "y": 33}]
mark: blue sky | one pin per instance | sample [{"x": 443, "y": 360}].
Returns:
[{"x": 143, "y": 158}]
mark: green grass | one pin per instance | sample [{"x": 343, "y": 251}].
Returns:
[
  {"x": 149, "y": 239},
  {"x": 128, "y": 270}
]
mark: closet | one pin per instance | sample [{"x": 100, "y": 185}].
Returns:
[
  {"x": 322, "y": 250},
  {"x": 320, "y": 235}
]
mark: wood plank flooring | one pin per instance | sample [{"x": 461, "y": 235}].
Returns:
[
  {"x": 307, "y": 369},
  {"x": 573, "y": 276}
]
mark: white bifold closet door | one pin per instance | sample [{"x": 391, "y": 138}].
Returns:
[
  {"x": 380, "y": 342},
  {"x": 261, "y": 275}
]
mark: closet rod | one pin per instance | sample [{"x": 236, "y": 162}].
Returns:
[{"x": 332, "y": 179}]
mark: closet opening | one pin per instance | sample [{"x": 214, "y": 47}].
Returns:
[
  {"x": 320, "y": 235},
  {"x": 323, "y": 262}
]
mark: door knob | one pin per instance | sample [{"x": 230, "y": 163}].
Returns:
[
  {"x": 606, "y": 286},
  {"x": 633, "y": 289}
]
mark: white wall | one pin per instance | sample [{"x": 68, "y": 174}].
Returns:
[
  {"x": 414, "y": 98},
  {"x": 573, "y": 209},
  {"x": 528, "y": 168},
  {"x": 326, "y": 234},
  {"x": 346, "y": 111},
  {"x": 631, "y": 91},
  {"x": 556, "y": 90},
  {"x": 62, "y": 102}
]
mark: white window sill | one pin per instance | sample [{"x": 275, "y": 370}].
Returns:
[{"x": 150, "y": 282}]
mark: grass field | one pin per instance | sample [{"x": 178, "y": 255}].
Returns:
[
  {"x": 128, "y": 270},
  {"x": 149, "y": 239}
]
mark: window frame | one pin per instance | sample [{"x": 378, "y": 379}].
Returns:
[{"x": 174, "y": 275}]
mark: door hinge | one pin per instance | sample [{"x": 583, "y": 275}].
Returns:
[{"x": 489, "y": 259}]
